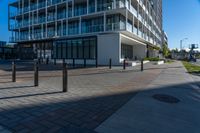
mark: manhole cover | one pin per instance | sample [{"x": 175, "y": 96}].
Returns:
[{"x": 166, "y": 98}]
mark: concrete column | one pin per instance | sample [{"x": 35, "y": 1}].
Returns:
[
  {"x": 87, "y": 6},
  {"x": 126, "y": 27},
  {"x": 133, "y": 23},
  {"x": 114, "y": 4},
  {"x": 23, "y": 12},
  {"x": 95, "y": 5},
  {"x": 104, "y": 18},
  {"x": 29, "y": 16},
  {"x": 22, "y": 5},
  {"x": 56, "y": 23},
  {"x": 62, "y": 28},
  {"x": 37, "y": 10},
  {"x": 80, "y": 25},
  {"x": 72, "y": 8},
  {"x": 67, "y": 27},
  {"x": 46, "y": 15},
  {"x": 42, "y": 30},
  {"x": 138, "y": 9},
  {"x": 66, "y": 9}
]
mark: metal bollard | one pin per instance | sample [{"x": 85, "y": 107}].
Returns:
[
  {"x": 39, "y": 61},
  {"x": 65, "y": 77},
  {"x": 36, "y": 73},
  {"x": 54, "y": 61},
  {"x": 96, "y": 63},
  {"x": 110, "y": 63},
  {"x": 85, "y": 63},
  {"x": 47, "y": 61},
  {"x": 142, "y": 65},
  {"x": 13, "y": 71},
  {"x": 73, "y": 63},
  {"x": 124, "y": 64},
  {"x": 63, "y": 61}
]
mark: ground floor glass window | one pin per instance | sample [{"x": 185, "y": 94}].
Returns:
[
  {"x": 81, "y": 48},
  {"x": 127, "y": 51}
]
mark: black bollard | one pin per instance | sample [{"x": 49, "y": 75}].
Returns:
[
  {"x": 47, "y": 61},
  {"x": 142, "y": 65},
  {"x": 63, "y": 61},
  {"x": 96, "y": 63},
  {"x": 124, "y": 64},
  {"x": 110, "y": 63},
  {"x": 36, "y": 73},
  {"x": 65, "y": 78},
  {"x": 13, "y": 71},
  {"x": 85, "y": 63},
  {"x": 73, "y": 63},
  {"x": 39, "y": 61},
  {"x": 54, "y": 61}
]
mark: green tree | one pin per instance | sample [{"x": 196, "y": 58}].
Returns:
[{"x": 165, "y": 50}]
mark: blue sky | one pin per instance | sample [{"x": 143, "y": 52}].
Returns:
[{"x": 181, "y": 18}]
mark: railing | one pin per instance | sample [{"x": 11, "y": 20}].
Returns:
[
  {"x": 115, "y": 26},
  {"x": 120, "y": 4},
  {"x": 73, "y": 31},
  {"x": 134, "y": 30},
  {"x": 132, "y": 9},
  {"x": 93, "y": 28}
]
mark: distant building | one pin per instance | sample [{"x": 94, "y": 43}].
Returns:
[
  {"x": 96, "y": 30},
  {"x": 7, "y": 51},
  {"x": 2, "y": 43},
  {"x": 164, "y": 38}
]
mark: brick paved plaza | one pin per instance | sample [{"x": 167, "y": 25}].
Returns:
[{"x": 94, "y": 95}]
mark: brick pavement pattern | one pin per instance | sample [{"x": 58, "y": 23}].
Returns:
[{"x": 94, "y": 94}]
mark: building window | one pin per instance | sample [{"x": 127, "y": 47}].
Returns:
[
  {"x": 127, "y": 51},
  {"x": 82, "y": 48},
  {"x": 69, "y": 49}
]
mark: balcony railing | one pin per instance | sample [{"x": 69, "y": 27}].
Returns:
[
  {"x": 115, "y": 26},
  {"x": 93, "y": 28}
]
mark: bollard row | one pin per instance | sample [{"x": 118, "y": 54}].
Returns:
[
  {"x": 13, "y": 71},
  {"x": 36, "y": 83},
  {"x": 65, "y": 77}
]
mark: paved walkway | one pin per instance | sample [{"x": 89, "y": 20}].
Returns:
[
  {"x": 93, "y": 95},
  {"x": 144, "y": 114}
]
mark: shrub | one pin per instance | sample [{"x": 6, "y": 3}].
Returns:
[{"x": 152, "y": 59}]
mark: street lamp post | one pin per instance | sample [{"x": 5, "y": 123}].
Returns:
[{"x": 181, "y": 43}]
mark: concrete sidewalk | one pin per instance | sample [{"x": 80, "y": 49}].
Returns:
[{"x": 145, "y": 114}]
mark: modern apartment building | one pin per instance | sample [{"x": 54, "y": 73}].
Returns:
[
  {"x": 2, "y": 43},
  {"x": 96, "y": 30}
]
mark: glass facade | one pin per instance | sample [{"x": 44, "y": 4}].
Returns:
[
  {"x": 79, "y": 48},
  {"x": 127, "y": 51}
]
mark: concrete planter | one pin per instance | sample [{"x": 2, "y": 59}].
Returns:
[
  {"x": 159, "y": 62},
  {"x": 136, "y": 63}
]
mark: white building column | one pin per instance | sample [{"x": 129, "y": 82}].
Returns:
[
  {"x": 29, "y": 21},
  {"x": 72, "y": 8},
  {"x": 46, "y": 16},
  {"x": 104, "y": 19},
  {"x": 66, "y": 27},
  {"x": 56, "y": 23},
  {"x": 87, "y": 6},
  {"x": 62, "y": 28},
  {"x": 126, "y": 25},
  {"x": 114, "y": 4},
  {"x": 80, "y": 23},
  {"x": 95, "y": 5}
]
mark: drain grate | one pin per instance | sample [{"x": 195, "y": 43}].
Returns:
[{"x": 166, "y": 98}]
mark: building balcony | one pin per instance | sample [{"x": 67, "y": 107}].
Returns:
[{"x": 115, "y": 26}]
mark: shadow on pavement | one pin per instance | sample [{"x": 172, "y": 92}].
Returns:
[
  {"x": 79, "y": 115},
  {"x": 15, "y": 87}
]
